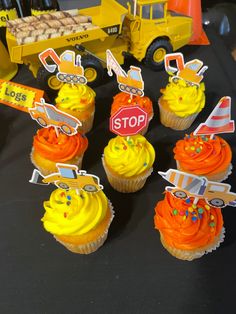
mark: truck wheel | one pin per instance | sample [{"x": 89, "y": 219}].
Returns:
[
  {"x": 90, "y": 188},
  {"x": 42, "y": 122},
  {"x": 48, "y": 81},
  {"x": 217, "y": 202},
  {"x": 63, "y": 186},
  {"x": 180, "y": 194},
  {"x": 65, "y": 129},
  {"x": 156, "y": 53},
  {"x": 93, "y": 70}
]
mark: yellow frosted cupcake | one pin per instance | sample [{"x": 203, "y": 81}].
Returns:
[
  {"x": 128, "y": 162},
  {"x": 180, "y": 104},
  {"x": 78, "y": 101},
  {"x": 79, "y": 222}
]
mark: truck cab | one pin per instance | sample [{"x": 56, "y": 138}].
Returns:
[{"x": 154, "y": 31}]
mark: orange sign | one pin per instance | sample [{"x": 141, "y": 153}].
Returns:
[{"x": 19, "y": 96}]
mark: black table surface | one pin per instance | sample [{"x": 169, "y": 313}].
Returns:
[{"x": 131, "y": 272}]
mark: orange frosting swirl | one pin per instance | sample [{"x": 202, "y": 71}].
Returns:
[
  {"x": 123, "y": 99},
  {"x": 61, "y": 148},
  {"x": 186, "y": 226},
  {"x": 201, "y": 155}
]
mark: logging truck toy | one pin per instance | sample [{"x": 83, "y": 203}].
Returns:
[
  {"x": 219, "y": 121},
  {"x": 145, "y": 29},
  {"x": 130, "y": 82},
  {"x": 48, "y": 115},
  {"x": 187, "y": 185},
  {"x": 191, "y": 72},
  {"x": 69, "y": 178},
  {"x": 67, "y": 66}
]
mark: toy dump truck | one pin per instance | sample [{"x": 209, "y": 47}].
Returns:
[
  {"x": 147, "y": 30},
  {"x": 187, "y": 185}
]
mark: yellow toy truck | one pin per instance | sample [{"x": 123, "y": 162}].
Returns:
[{"x": 147, "y": 30}]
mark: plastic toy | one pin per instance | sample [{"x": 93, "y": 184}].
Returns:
[
  {"x": 146, "y": 29},
  {"x": 67, "y": 178},
  {"x": 187, "y": 185},
  {"x": 191, "y": 72},
  {"x": 48, "y": 115}
]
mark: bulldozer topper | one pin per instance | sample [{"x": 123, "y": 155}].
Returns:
[
  {"x": 69, "y": 178},
  {"x": 219, "y": 121},
  {"x": 130, "y": 82},
  {"x": 187, "y": 185},
  {"x": 191, "y": 72},
  {"x": 47, "y": 115},
  {"x": 67, "y": 65}
]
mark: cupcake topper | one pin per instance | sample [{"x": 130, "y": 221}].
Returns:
[
  {"x": 130, "y": 82},
  {"x": 219, "y": 121},
  {"x": 48, "y": 115},
  {"x": 69, "y": 178},
  {"x": 18, "y": 96},
  {"x": 187, "y": 185},
  {"x": 128, "y": 121},
  {"x": 68, "y": 66},
  {"x": 191, "y": 72}
]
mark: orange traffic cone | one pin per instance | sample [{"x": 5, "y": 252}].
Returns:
[
  {"x": 191, "y": 8},
  {"x": 219, "y": 120}
]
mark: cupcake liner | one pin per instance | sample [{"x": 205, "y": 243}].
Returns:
[
  {"x": 126, "y": 185},
  {"x": 194, "y": 254},
  {"x": 44, "y": 171},
  {"x": 217, "y": 177},
  {"x": 87, "y": 124},
  {"x": 90, "y": 247},
  {"x": 171, "y": 120}
]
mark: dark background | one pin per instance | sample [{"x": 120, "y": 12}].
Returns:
[{"x": 132, "y": 273}]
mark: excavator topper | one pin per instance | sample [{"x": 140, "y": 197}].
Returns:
[
  {"x": 191, "y": 72},
  {"x": 68, "y": 67},
  {"x": 69, "y": 178},
  {"x": 188, "y": 185},
  {"x": 130, "y": 82}
]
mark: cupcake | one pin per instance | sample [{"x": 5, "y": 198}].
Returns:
[
  {"x": 188, "y": 231},
  {"x": 49, "y": 149},
  {"x": 78, "y": 101},
  {"x": 123, "y": 100},
  {"x": 180, "y": 104},
  {"x": 79, "y": 222},
  {"x": 128, "y": 162},
  {"x": 204, "y": 156}
]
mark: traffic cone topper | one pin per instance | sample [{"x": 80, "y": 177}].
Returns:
[
  {"x": 131, "y": 82},
  {"x": 191, "y": 72},
  {"x": 69, "y": 178},
  {"x": 219, "y": 120},
  {"x": 193, "y": 9},
  {"x": 67, "y": 65},
  {"x": 47, "y": 115},
  {"x": 187, "y": 185}
]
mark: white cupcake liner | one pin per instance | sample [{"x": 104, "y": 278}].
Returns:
[
  {"x": 90, "y": 247},
  {"x": 87, "y": 124},
  {"x": 194, "y": 254},
  {"x": 126, "y": 185}
]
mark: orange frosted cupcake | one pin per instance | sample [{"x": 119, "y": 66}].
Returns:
[
  {"x": 48, "y": 149},
  {"x": 78, "y": 101},
  {"x": 123, "y": 99},
  {"x": 188, "y": 231},
  {"x": 79, "y": 222},
  {"x": 203, "y": 156}
]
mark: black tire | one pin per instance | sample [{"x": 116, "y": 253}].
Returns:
[
  {"x": 43, "y": 76},
  {"x": 217, "y": 202},
  {"x": 42, "y": 122},
  {"x": 88, "y": 61},
  {"x": 90, "y": 188},
  {"x": 180, "y": 194},
  {"x": 157, "y": 44},
  {"x": 63, "y": 186}
]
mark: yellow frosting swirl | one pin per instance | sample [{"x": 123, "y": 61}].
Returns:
[
  {"x": 129, "y": 157},
  {"x": 183, "y": 99},
  {"x": 75, "y": 97},
  {"x": 70, "y": 214}
]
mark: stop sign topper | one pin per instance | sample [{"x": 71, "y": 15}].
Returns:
[{"x": 128, "y": 121}]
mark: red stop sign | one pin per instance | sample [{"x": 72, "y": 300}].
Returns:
[{"x": 128, "y": 121}]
